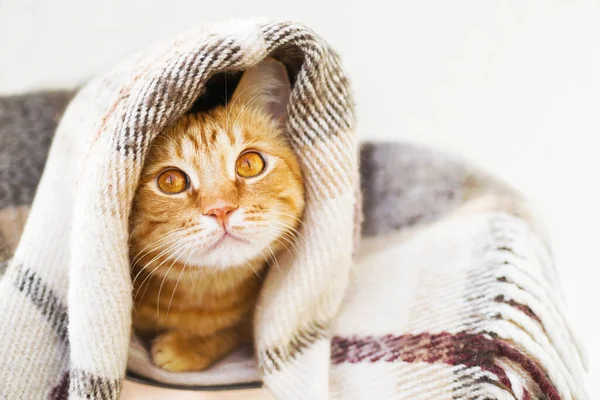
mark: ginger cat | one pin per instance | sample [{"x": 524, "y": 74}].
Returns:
[{"x": 221, "y": 193}]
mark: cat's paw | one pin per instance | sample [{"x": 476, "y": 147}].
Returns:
[{"x": 173, "y": 352}]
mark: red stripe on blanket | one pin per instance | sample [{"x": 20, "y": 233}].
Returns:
[
  {"x": 522, "y": 307},
  {"x": 453, "y": 349}
]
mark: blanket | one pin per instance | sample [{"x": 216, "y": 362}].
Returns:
[{"x": 447, "y": 292}]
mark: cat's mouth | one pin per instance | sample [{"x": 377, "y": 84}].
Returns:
[{"x": 225, "y": 238}]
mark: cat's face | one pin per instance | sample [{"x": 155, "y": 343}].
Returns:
[{"x": 221, "y": 188}]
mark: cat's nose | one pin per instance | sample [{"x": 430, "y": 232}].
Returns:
[{"x": 221, "y": 213}]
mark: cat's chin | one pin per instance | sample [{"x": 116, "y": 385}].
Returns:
[{"x": 227, "y": 252}]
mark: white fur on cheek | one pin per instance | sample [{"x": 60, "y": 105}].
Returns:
[{"x": 236, "y": 218}]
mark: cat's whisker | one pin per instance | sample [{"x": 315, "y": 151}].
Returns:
[
  {"x": 179, "y": 253},
  {"x": 274, "y": 258},
  {"x": 284, "y": 229},
  {"x": 278, "y": 212},
  {"x": 282, "y": 214},
  {"x": 284, "y": 245},
  {"x": 270, "y": 221},
  {"x": 266, "y": 260},
  {"x": 171, "y": 243},
  {"x": 281, "y": 222},
  {"x": 249, "y": 264},
  {"x": 159, "y": 240},
  {"x": 130, "y": 237},
  {"x": 189, "y": 251},
  {"x": 151, "y": 274},
  {"x": 145, "y": 289},
  {"x": 289, "y": 233},
  {"x": 249, "y": 103},
  {"x": 291, "y": 242},
  {"x": 159, "y": 248},
  {"x": 290, "y": 228},
  {"x": 168, "y": 238},
  {"x": 162, "y": 239},
  {"x": 171, "y": 247},
  {"x": 155, "y": 269}
]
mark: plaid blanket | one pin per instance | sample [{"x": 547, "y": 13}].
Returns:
[{"x": 448, "y": 293}]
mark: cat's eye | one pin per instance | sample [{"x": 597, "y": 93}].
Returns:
[
  {"x": 172, "y": 181},
  {"x": 250, "y": 164}
]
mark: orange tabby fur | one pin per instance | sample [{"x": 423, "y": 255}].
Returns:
[{"x": 195, "y": 289}]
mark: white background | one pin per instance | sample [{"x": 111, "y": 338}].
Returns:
[{"x": 513, "y": 85}]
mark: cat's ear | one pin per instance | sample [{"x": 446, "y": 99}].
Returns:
[{"x": 265, "y": 85}]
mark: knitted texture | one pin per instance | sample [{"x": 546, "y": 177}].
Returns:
[{"x": 450, "y": 294}]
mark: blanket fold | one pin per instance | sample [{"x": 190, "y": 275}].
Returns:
[{"x": 449, "y": 292}]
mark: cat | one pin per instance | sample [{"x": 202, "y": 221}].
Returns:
[{"x": 221, "y": 193}]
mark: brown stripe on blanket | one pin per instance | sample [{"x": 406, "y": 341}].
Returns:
[
  {"x": 89, "y": 386},
  {"x": 44, "y": 298},
  {"x": 81, "y": 383},
  {"x": 333, "y": 115},
  {"x": 470, "y": 350},
  {"x": 273, "y": 359},
  {"x": 173, "y": 88},
  {"x": 61, "y": 390}
]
